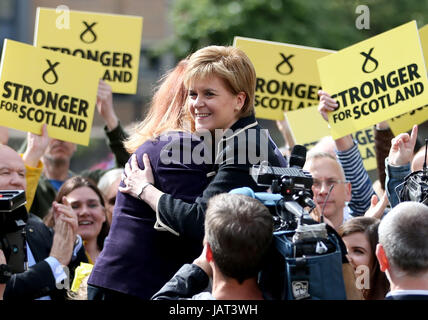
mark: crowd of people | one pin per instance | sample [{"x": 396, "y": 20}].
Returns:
[{"x": 163, "y": 223}]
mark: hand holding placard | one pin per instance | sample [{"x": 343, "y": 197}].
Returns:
[{"x": 326, "y": 105}]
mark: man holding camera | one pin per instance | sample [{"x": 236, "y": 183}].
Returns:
[
  {"x": 238, "y": 233},
  {"x": 47, "y": 252}
]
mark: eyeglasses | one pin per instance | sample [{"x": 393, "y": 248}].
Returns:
[{"x": 317, "y": 183}]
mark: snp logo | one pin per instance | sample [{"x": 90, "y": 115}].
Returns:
[{"x": 50, "y": 76}]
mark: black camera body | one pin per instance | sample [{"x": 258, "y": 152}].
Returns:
[
  {"x": 415, "y": 188},
  {"x": 13, "y": 217},
  {"x": 294, "y": 186},
  {"x": 415, "y": 185},
  {"x": 305, "y": 254}
]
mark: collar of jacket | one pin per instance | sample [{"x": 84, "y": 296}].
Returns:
[
  {"x": 243, "y": 122},
  {"x": 241, "y": 125}
]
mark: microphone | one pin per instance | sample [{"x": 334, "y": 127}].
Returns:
[
  {"x": 424, "y": 167},
  {"x": 325, "y": 202},
  {"x": 297, "y": 156}
]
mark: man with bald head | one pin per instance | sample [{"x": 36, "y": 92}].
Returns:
[
  {"x": 12, "y": 170},
  {"x": 402, "y": 251},
  {"x": 46, "y": 251}
]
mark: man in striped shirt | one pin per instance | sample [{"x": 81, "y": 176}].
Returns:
[{"x": 350, "y": 165}]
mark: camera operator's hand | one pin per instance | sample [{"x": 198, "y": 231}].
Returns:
[
  {"x": 402, "y": 147},
  {"x": 203, "y": 263},
  {"x": 2, "y": 285},
  {"x": 36, "y": 147}
]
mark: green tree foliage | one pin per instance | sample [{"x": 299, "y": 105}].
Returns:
[{"x": 328, "y": 24}]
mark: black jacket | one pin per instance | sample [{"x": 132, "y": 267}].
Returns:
[
  {"x": 187, "y": 282},
  {"x": 234, "y": 158},
  {"x": 38, "y": 280}
]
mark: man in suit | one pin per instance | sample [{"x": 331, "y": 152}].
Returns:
[
  {"x": 403, "y": 251},
  {"x": 47, "y": 252}
]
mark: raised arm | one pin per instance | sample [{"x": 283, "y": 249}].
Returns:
[
  {"x": 35, "y": 148},
  {"x": 397, "y": 164},
  {"x": 114, "y": 131},
  {"x": 351, "y": 161}
]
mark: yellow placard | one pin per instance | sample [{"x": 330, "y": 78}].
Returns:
[
  {"x": 405, "y": 122},
  {"x": 40, "y": 86},
  {"x": 112, "y": 40},
  {"x": 287, "y": 76},
  {"x": 375, "y": 80},
  {"x": 308, "y": 127},
  {"x": 366, "y": 146}
]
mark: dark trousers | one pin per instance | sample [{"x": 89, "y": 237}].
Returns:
[{"x": 98, "y": 293}]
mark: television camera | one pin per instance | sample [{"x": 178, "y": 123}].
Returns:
[
  {"x": 13, "y": 217},
  {"x": 415, "y": 185},
  {"x": 306, "y": 254}
]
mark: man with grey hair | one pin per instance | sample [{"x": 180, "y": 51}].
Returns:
[
  {"x": 330, "y": 187},
  {"x": 238, "y": 234},
  {"x": 402, "y": 251}
]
